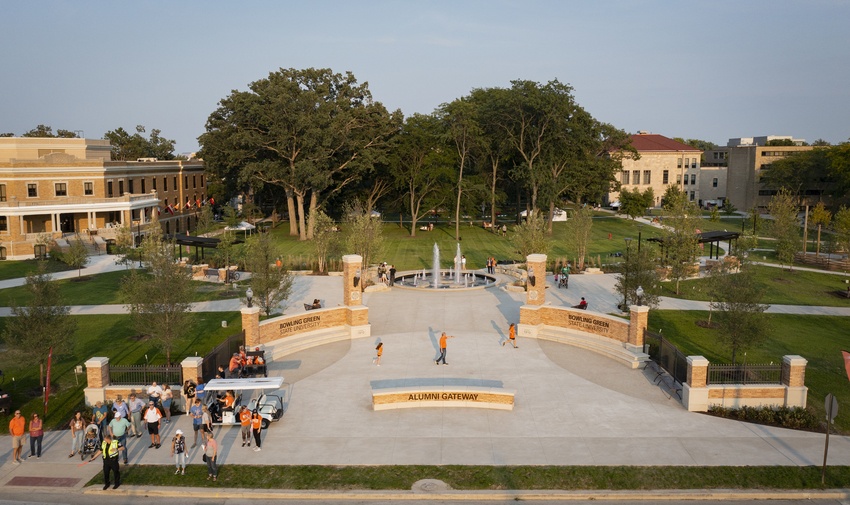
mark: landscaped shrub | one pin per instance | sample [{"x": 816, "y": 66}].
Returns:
[{"x": 786, "y": 417}]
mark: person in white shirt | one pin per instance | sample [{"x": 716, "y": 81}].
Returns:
[
  {"x": 154, "y": 418},
  {"x": 154, "y": 393}
]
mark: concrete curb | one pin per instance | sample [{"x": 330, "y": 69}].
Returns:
[{"x": 480, "y": 496}]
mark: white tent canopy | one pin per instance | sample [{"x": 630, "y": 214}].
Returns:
[{"x": 243, "y": 226}]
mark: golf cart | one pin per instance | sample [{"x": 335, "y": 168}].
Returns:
[{"x": 269, "y": 406}]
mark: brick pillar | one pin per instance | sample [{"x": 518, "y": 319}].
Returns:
[
  {"x": 638, "y": 316},
  {"x": 97, "y": 372},
  {"x": 794, "y": 379},
  {"x": 193, "y": 369},
  {"x": 352, "y": 271},
  {"x": 536, "y": 294},
  {"x": 695, "y": 390},
  {"x": 251, "y": 326}
]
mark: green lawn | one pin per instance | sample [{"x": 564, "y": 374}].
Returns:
[
  {"x": 103, "y": 335},
  {"x": 16, "y": 269},
  {"x": 819, "y": 339},
  {"x": 782, "y": 287},
  {"x": 346, "y": 478}
]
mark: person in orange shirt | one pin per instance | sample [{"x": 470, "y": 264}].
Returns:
[
  {"x": 380, "y": 352},
  {"x": 245, "y": 421},
  {"x": 256, "y": 427},
  {"x": 442, "y": 357},
  {"x": 512, "y": 335},
  {"x": 16, "y": 429}
]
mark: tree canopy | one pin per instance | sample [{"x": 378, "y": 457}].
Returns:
[{"x": 126, "y": 147}]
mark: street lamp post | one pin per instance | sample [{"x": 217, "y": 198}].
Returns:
[
  {"x": 249, "y": 295},
  {"x": 639, "y": 293},
  {"x": 626, "y": 275},
  {"x": 139, "y": 237}
]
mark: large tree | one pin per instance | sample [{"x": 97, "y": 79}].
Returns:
[
  {"x": 578, "y": 232},
  {"x": 310, "y": 132},
  {"x": 460, "y": 120},
  {"x": 126, "y": 147},
  {"x": 270, "y": 283},
  {"x": 42, "y": 325},
  {"x": 680, "y": 241},
  {"x": 420, "y": 164},
  {"x": 638, "y": 271}
]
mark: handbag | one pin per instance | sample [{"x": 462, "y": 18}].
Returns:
[{"x": 205, "y": 458}]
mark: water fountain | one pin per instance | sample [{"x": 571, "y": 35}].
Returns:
[{"x": 457, "y": 278}]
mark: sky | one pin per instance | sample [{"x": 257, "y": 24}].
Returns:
[{"x": 710, "y": 70}]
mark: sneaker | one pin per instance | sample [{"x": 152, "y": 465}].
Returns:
[
  {"x": 16, "y": 462},
  {"x": 138, "y": 435},
  {"x": 257, "y": 449},
  {"x": 151, "y": 446},
  {"x": 445, "y": 363},
  {"x": 183, "y": 472},
  {"x": 157, "y": 446},
  {"x": 193, "y": 446},
  {"x": 178, "y": 471},
  {"x": 249, "y": 444},
  {"x": 116, "y": 486},
  {"x": 106, "y": 486},
  {"x": 243, "y": 444},
  {"x": 436, "y": 362}
]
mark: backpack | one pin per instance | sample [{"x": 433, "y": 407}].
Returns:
[{"x": 179, "y": 444}]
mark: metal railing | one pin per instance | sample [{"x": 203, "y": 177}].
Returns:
[
  {"x": 221, "y": 355},
  {"x": 129, "y": 375},
  {"x": 667, "y": 356},
  {"x": 745, "y": 374}
]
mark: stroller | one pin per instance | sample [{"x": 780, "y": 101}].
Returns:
[
  {"x": 563, "y": 281},
  {"x": 90, "y": 442}
]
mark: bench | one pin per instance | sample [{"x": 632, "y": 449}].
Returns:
[
  {"x": 211, "y": 272},
  {"x": 663, "y": 379}
]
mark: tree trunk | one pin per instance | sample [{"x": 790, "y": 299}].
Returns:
[
  {"x": 290, "y": 205},
  {"x": 302, "y": 228},
  {"x": 551, "y": 217},
  {"x": 311, "y": 217},
  {"x": 817, "y": 251},
  {"x": 413, "y": 214},
  {"x": 493, "y": 198}
]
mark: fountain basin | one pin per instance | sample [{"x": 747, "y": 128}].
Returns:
[{"x": 424, "y": 281}]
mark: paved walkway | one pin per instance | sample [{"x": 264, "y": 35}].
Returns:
[{"x": 573, "y": 407}]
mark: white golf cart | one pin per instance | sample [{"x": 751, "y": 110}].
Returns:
[{"x": 269, "y": 406}]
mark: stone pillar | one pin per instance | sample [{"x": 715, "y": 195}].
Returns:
[
  {"x": 638, "y": 316},
  {"x": 794, "y": 379},
  {"x": 193, "y": 369},
  {"x": 536, "y": 294},
  {"x": 251, "y": 326},
  {"x": 352, "y": 271},
  {"x": 97, "y": 378},
  {"x": 695, "y": 391}
]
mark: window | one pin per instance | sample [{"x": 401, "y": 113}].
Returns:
[
  {"x": 121, "y": 187},
  {"x": 636, "y": 177},
  {"x": 665, "y": 177},
  {"x": 679, "y": 179},
  {"x": 175, "y": 183},
  {"x": 40, "y": 251},
  {"x": 88, "y": 188},
  {"x": 109, "y": 189},
  {"x": 686, "y": 179},
  {"x": 2, "y": 192},
  {"x": 693, "y": 194},
  {"x": 693, "y": 179},
  {"x": 193, "y": 182},
  {"x": 679, "y": 163},
  {"x": 714, "y": 182},
  {"x": 694, "y": 163},
  {"x": 185, "y": 182},
  {"x": 202, "y": 180},
  {"x": 61, "y": 188},
  {"x": 143, "y": 186},
  {"x": 4, "y": 225},
  {"x": 2, "y": 253},
  {"x": 32, "y": 190},
  {"x": 646, "y": 177},
  {"x": 165, "y": 183},
  {"x": 687, "y": 162},
  {"x": 153, "y": 183},
  {"x": 130, "y": 186},
  {"x": 625, "y": 177}
]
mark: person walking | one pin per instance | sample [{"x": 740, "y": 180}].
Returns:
[
  {"x": 167, "y": 398},
  {"x": 16, "y": 429},
  {"x": 154, "y": 420},
  {"x": 78, "y": 430},
  {"x": 110, "y": 449},
  {"x": 178, "y": 450},
  {"x": 136, "y": 405},
  {"x": 36, "y": 435},
  {"x": 189, "y": 388},
  {"x": 392, "y": 275},
  {"x": 512, "y": 335},
  {"x": 197, "y": 413},
  {"x": 380, "y": 352},
  {"x": 443, "y": 339},
  {"x": 256, "y": 428},
  {"x": 210, "y": 455},
  {"x": 245, "y": 421},
  {"x": 206, "y": 423},
  {"x": 117, "y": 429}
]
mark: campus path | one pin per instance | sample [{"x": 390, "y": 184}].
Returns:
[{"x": 573, "y": 407}]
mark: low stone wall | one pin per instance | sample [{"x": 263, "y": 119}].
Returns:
[
  {"x": 283, "y": 327},
  {"x": 576, "y": 319},
  {"x": 470, "y": 397}
]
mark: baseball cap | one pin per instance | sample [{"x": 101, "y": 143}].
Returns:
[
  {"x": 179, "y": 432},
  {"x": 118, "y": 413}
]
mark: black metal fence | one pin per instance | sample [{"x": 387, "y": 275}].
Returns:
[
  {"x": 131, "y": 375},
  {"x": 667, "y": 356},
  {"x": 221, "y": 355},
  {"x": 745, "y": 374}
]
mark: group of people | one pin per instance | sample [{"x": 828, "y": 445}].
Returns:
[
  {"x": 18, "y": 429},
  {"x": 491, "y": 265},
  {"x": 240, "y": 361},
  {"x": 386, "y": 273}
]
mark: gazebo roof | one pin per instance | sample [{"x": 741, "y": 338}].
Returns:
[{"x": 708, "y": 236}]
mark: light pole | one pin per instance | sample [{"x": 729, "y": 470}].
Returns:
[
  {"x": 626, "y": 275},
  {"x": 639, "y": 293},
  {"x": 139, "y": 237},
  {"x": 249, "y": 295}
]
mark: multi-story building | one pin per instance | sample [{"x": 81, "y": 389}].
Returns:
[
  {"x": 663, "y": 161},
  {"x": 747, "y": 161},
  {"x": 50, "y": 187}
]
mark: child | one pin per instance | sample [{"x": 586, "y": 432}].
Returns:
[
  {"x": 178, "y": 450},
  {"x": 380, "y": 351}
]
